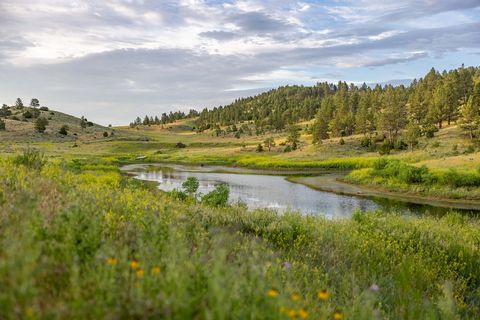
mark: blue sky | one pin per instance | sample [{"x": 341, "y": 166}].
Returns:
[{"x": 112, "y": 60}]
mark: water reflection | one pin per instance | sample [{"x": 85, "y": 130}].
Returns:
[{"x": 267, "y": 191}]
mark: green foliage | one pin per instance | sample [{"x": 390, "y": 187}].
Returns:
[
  {"x": 31, "y": 158},
  {"x": 78, "y": 245},
  {"x": 259, "y": 148},
  {"x": 218, "y": 197},
  {"x": 63, "y": 130},
  {"x": 191, "y": 185},
  {"x": 341, "y": 141},
  {"x": 2, "y": 125},
  {"x": 105, "y": 134},
  {"x": 41, "y": 124}
]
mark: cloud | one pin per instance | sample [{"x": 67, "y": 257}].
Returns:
[{"x": 116, "y": 59}]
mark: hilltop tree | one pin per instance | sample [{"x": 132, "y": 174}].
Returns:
[
  {"x": 83, "y": 122},
  {"x": 34, "y": 103},
  {"x": 41, "y": 124},
  {"x": 470, "y": 113},
  {"x": 19, "y": 103}
]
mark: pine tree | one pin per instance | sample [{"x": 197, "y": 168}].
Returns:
[{"x": 470, "y": 113}]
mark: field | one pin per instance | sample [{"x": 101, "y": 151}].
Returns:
[{"x": 80, "y": 240}]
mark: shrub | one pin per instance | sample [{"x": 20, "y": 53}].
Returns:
[
  {"x": 287, "y": 149},
  {"x": 2, "y": 125},
  {"x": 385, "y": 147},
  {"x": 41, "y": 124},
  {"x": 259, "y": 148},
  {"x": 105, "y": 134},
  {"x": 180, "y": 145},
  {"x": 342, "y": 142},
  {"x": 27, "y": 114},
  {"x": 63, "y": 130},
  {"x": 217, "y": 197},
  {"x": 43, "y": 109},
  {"x": 31, "y": 158},
  {"x": 190, "y": 185}
]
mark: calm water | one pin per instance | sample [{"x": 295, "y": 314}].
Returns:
[{"x": 268, "y": 191}]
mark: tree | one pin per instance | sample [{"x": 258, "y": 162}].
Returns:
[
  {"x": 293, "y": 135},
  {"x": 470, "y": 113},
  {"x": 259, "y": 148},
  {"x": 2, "y": 125},
  {"x": 365, "y": 118},
  {"x": 105, "y": 134},
  {"x": 322, "y": 119},
  {"x": 412, "y": 134},
  {"x": 269, "y": 143},
  {"x": 19, "y": 103},
  {"x": 41, "y": 124},
  {"x": 83, "y": 122},
  {"x": 393, "y": 114},
  {"x": 63, "y": 130},
  {"x": 191, "y": 185},
  {"x": 34, "y": 103}
]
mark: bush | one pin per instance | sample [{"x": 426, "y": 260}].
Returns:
[
  {"x": 41, "y": 124},
  {"x": 217, "y": 197},
  {"x": 43, "y": 109},
  {"x": 63, "y": 130},
  {"x": 2, "y": 125},
  {"x": 385, "y": 147},
  {"x": 191, "y": 185},
  {"x": 105, "y": 134},
  {"x": 342, "y": 142},
  {"x": 31, "y": 158},
  {"x": 288, "y": 149},
  {"x": 259, "y": 148},
  {"x": 180, "y": 145}
]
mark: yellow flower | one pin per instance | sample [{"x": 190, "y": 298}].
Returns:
[
  {"x": 291, "y": 314},
  {"x": 322, "y": 295},
  {"x": 295, "y": 296},
  {"x": 140, "y": 273},
  {"x": 156, "y": 270},
  {"x": 272, "y": 293},
  {"x": 338, "y": 315},
  {"x": 302, "y": 313},
  {"x": 112, "y": 261},
  {"x": 134, "y": 264}
]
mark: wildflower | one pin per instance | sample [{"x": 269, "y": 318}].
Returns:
[
  {"x": 291, "y": 313},
  {"x": 337, "y": 315},
  {"x": 112, "y": 261},
  {"x": 295, "y": 296},
  {"x": 140, "y": 273},
  {"x": 287, "y": 265},
  {"x": 272, "y": 293},
  {"x": 322, "y": 295},
  {"x": 302, "y": 313},
  {"x": 156, "y": 270},
  {"x": 374, "y": 288},
  {"x": 134, "y": 264}
]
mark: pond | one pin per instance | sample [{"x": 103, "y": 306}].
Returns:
[{"x": 275, "y": 192}]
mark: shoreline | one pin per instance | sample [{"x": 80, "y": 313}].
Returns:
[{"x": 326, "y": 180}]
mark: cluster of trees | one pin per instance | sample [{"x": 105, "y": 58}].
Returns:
[
  {"x": 341, "y": 110},
  {"x": 164, "y": 118}
]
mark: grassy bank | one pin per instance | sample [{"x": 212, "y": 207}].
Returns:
[
  {"x": 80, "y": 241},
  {"x": 394, "y": 175}
]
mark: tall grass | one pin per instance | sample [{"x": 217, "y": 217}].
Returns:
[{"x": 78, "y": 243}]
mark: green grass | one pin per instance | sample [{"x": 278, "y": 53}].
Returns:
[{"x": 69, "y": 231}]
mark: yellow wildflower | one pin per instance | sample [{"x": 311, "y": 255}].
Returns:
[
  {"x": 302, "y": 313},
  {"x": 292, "y": 314},
  {"x": 156, "y": 270},
  {"x": 134, "y": 264},
  {"x": 338, "y": 315},
  {"x": 272, "y": 293},
  {"x": 112, "y": 261},
  {"x": 322, "y": 295},
  {"x": 140, "y": 273},
  {"x": 296, "y": 296}
]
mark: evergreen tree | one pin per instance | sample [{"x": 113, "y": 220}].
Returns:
[
  {"x": 19, "y": 103},
  {"x": 41, "y": 124},
  {"x": 393, "y": 116},
  {"x": 470, "y": 113}
]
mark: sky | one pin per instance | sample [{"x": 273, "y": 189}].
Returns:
[{"x": 114, "y": 60}]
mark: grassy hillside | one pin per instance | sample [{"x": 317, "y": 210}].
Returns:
[{"x": 78, "y": 240}]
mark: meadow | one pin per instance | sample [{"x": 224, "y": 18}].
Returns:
[{"x": 80, "y": 240}]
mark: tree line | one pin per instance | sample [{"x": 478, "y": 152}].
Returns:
[
  {"x": 340, "y": 109},
  {"x": 164, "y": 118}
]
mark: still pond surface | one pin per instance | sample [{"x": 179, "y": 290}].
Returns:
[{"x": 275, "y": 192}]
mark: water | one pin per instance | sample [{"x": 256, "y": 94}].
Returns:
[{"x": 275, "y": 192}]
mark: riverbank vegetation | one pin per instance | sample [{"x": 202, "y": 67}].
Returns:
[{"x": 80, "y": 240}]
